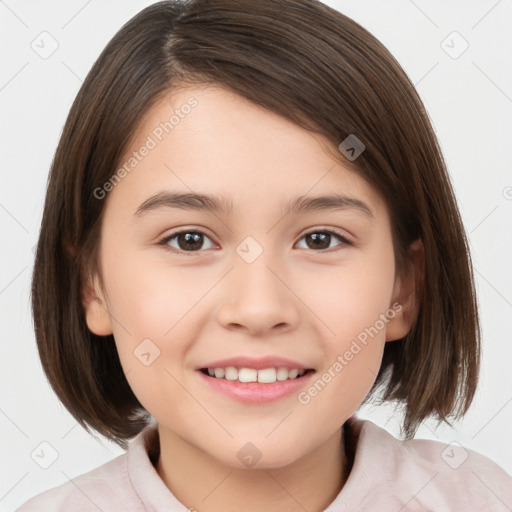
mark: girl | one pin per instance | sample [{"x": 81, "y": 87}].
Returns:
[{"x": 249, "y": 231}]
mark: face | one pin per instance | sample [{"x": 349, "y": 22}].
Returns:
[{"x": 250, "y": 289}]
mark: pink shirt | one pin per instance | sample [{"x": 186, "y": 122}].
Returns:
[{"x": 388, "y": 475}]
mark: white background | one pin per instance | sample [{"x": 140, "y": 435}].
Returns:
[{"x": 469, "y": 100}]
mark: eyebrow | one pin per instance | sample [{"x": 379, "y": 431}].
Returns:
[{"x": 218, "y": 204}]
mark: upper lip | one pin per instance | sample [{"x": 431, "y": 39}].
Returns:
[{"x": 259, "y": 363}]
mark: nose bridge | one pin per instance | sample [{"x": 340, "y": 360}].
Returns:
[
  {"x": 255, "y": 275},
  {"x": 256, "y": 296},
  {"x": 252, "y": 272}
]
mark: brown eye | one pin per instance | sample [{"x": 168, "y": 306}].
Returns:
[
  {"x": 321, "y": 240},
  {"x": 186, "y": 241}
]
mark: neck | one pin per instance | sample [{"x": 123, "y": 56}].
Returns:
[{"x": 205, "y": 484}]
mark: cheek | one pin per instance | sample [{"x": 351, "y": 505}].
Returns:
[
  {"x": 149, "y": 297},
  {"x": 150, "y": 307},
  {"x": 352, "y": 306},
  {"x": 350, "y": 298},
  {"x": 353, "y": 302}
]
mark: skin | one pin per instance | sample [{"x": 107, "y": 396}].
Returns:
[{"x": 295, "y": 300}]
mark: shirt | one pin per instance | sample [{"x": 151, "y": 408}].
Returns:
[{"x": 387, "y": 475}]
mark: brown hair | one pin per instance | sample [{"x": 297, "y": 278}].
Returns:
[{"x": 316, "y": 67}]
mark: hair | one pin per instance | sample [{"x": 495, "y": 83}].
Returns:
[{"x": 317, "y": 68}]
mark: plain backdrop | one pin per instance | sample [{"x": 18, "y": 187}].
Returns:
[{"x": 467, "y": 92}]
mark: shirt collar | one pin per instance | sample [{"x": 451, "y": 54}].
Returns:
[{"x": 366, "y": 441}]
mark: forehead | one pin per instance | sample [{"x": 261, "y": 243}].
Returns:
[{"x": 206, "y": 139}]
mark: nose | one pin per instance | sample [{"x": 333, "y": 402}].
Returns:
[{"x": 257, "y": 298}]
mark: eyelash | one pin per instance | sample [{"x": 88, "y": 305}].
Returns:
[{"x": 165, "y": 240}]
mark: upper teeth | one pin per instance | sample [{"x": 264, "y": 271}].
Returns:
[{"x": 267, "y": 375}]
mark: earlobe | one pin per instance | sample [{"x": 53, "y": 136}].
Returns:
[
  {"x": 97, "y": 315},
  {"x": 407, "y": 293}
]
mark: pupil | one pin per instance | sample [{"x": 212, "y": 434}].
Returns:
[
  {"x": 323, "y": 238},
  {"x": 192, "y": 241}
]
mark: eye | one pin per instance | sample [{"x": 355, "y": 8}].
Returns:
[
  {"x": 190, "y": 241},
  {"x": 322, "y": 239},
  {"x": 185, "y": 241}
]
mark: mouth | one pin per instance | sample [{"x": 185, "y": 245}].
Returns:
[
  {"x": 262, "y": 376},
  {"x": 255, "y": 381}
]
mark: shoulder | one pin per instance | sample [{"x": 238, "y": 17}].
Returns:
[
  {"x": 460, "y": 474},
  {"x": 433, "y": 475},
  {"x": 116, "y": 485},
  {"x": 99, "y": 489}
]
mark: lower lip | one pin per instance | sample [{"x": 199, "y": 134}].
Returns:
[{"x": 257, "y": 392}]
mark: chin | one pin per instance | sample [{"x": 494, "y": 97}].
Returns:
[
  {"x": 259, "y": 454},
  {"x": 276, "y": 461}
]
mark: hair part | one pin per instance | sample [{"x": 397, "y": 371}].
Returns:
[{"x": 321, "y": 70}]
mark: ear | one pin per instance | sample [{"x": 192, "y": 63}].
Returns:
[
  {"x": 407, "y": 292},
  {"x": 97, "y": 315}
]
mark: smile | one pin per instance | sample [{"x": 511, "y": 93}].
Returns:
[
  {"x": 252, "y": 386},
  {"x": 264, "y": 376}
]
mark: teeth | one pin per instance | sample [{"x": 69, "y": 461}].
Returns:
[
  {"x": 247, "y": 375},
  {"x": 231, "y": 373},
  {"x": 265, "y": 376},
  {"x": 282, "y": 374},
  {"x": 293, "y": 374}
]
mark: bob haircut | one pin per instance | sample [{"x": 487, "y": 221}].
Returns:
[{"x": 318, "y": 68}]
